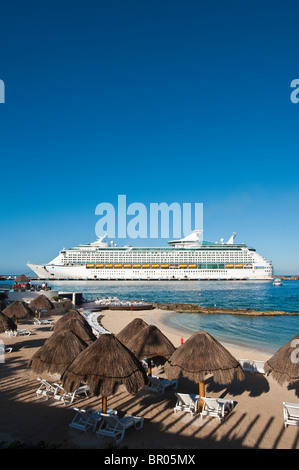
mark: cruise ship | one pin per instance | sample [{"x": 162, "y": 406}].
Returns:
[{"x": 189, "y": 258}]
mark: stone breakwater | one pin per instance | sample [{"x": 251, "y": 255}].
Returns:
[{"x": 193, "y": 308}]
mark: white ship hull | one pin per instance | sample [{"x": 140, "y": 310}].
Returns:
[
  {"x": 185, "y": 259},
  {"x": 49, "y": 272}
]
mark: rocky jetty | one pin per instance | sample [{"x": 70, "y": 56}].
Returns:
[{"x": 193, "y": 308}]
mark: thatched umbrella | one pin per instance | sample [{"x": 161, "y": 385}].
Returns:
[
  {"x": 22, "y": 279},
  {"x": 18, "y": 310},
  {"x": 2, "y": 305},
  {"x": 57, "y": 353},
  {"x": 41, "y": 303},
  {"x": 151, "y": 343},
  {"x": 80, "y": 329},
  {"x": 70, "y": 315},
  {"x": 134, "y": 327},
  {"x": 104, "y": 366},
  {"x": 6, "y": 323},
  {"x": 202, "y": 354},
  {"x": 284, "y": 364}
]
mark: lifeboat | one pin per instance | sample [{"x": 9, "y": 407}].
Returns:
[
  {"x": 146, "y": 265},
  {"x": 118, "y": 265},
  {"x": 99, "y": 265},
  {"x": 127, "y": 265},
  {"x": 136, "y": 265},
  {"x": 89, "y": 266},
  {"x": 238, "y": 265},
  {"x": 183, "y": 265},
  {"x": 164, "y": 265},
  {"x": 229, "y": 265},
  {"x": 192, "y": 266},
  {"x": 155, "y": 265},
  {"x": 108, "y": 265}
]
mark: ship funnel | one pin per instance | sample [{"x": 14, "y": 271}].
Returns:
[{"x": 231, "y": 240}]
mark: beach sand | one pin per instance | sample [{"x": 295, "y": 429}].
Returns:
[{"x": 256, "y": 421}]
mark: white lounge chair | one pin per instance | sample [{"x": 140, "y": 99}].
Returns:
[
  {"x": 46, "y": 389},
  {"x": 245, "y": 364},
  {"x": 112, "y": 426},
  {"x": 5, "y": 349},
  {"x": 84, "y": 420},
  {"x": 22, "y": 333},
  {"x": 158, "y": 385},
  {"x": 155, "y": 385},
  {"x": 18, "y": 332},
  {"x": 186, "y": 403},
  {"x": 167, "y": 383},
  {"x": 258, "y": 366},
  {"x": 290, "y": 414},
  {"x": 9, "y": 332},
  {"x": 68, "y": 397},
  {"x": 216, "y": 407},
  {"x": 38, "y": 322}
]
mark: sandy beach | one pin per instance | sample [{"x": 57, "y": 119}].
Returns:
[{"x": 255, "y": 422}]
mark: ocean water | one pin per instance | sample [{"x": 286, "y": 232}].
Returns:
[{"x": 264, "y": 333}]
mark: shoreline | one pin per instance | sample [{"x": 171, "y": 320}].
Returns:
[
  {"x": 184, "y": 331},
  {"x": 115, "y": 320}
]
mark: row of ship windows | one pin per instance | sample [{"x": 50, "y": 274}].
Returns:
[
  {"x": 131, "y": 255},
  {"x": 121, "y": 273},
  {"x": 148, "y": 258},
  {"x": 168, "y": 262},
  {"x": 155, "y": 255},
  {"x": 163, "y": 266}
]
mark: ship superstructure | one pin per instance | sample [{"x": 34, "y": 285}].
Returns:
[{"x": 188, "y": 258}]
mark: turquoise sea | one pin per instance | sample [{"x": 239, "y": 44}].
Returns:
[{"x": 264, "y": 333}]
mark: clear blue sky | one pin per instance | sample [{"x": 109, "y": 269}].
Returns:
[{"x": 164, "y": 101}]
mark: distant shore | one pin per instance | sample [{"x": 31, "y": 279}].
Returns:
[{"x": 194, "y": 308}]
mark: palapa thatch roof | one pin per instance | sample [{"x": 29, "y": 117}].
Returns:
[
  {"x": 57, "y": 353},
  {"x": 151, "y": 343},
  {"x": 202, "y": 354},
  {"x": 80, "y": 329},
  {"x": 22, "y": 279},
  {"x": 284, "y": 364},
  {"x": 70, "y": 315},
  {"x": 18, "y": 310},
  {"x": 134, "y": 327},
  {"x": 41, "y": 302},
  {"x": 104, "y": 366},
  {"x": 6, "y": 323}
]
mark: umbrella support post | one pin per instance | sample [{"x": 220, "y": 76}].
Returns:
[
  {"x": 149, "y": 367},
  {"x": 201, "y": 394},
  {"x": 104, "y": 405}
]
